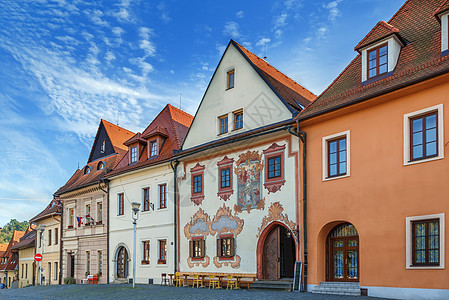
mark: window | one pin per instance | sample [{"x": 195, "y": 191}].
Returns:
[
  {"x": 100, "y": 262},
  {"x": 22, "y": 270},
  {"x": 162, "y": 252},
  {"x": 103, "y": 146},
  {"x": 197, "y": 184},
  {"x": 121, "y": 203},
  {"x": 133, "y": 154},
  {"x": 223, "y": 124},
  {"x": 49, "y": 237},
  {"x": 26, "y": 270},
  {"x": 197, "y": 248},
  {"x": 274, "y": 167},
  {"x": 230, "y": 79},
  {"x": 425, "y": 242},
  {"x": 99, "y": 212},
  {"x": 336, "y": 155},
  {"x": 378, "y": 61},
  {"x": 423, "y": 135},
  {"x": 226, "y": 246},
  {"x": 153, "y": 149},
  {"x": 87, "y": 170},
  {"x": 100, "y": 165},
  {"x": 238, "y": 119},
  {"x": 88, "y": 262},
  {"x": 146, "y": 199},
  {"x": 274, "y": 171},
  {"x": 56, "y": 271},
  {"x": 146, "y": 252},
  {"x": 56, "y": 236},
  {"x": 225, "y": 178},
  {"x": 426, "y": 238},
  {"x": 162, "y": 196},
  {"x": 88, "y": 210},
  {"x": 71, "y": 217}
]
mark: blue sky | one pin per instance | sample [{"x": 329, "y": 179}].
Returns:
[{"x": 64, "y": 65}]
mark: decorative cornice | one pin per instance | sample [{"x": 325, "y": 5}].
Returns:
[
  {"x": 274, "y": 148},
  {"x": 200, "y": 214},
  {"x": 204, "y": 262},
  {"x": 235, "y": 263},
  {"x": 225, "y": 161},
  {"x": 275, "y": 213},
  {"x": 197, "y": 168},
  {"x": 226, "y": 211}
]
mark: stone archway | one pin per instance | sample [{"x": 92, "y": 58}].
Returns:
[{"x": 276, "y": 252}]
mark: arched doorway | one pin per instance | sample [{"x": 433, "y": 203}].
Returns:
[
  {"x": 122, "y": 263},
  {"x": 278, "y": 253},
  {"x": 343, "y": 253}
]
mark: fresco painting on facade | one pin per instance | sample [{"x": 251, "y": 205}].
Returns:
[
  {"x": 249, "y": 169},
  {"x": 199, "y": 227}
]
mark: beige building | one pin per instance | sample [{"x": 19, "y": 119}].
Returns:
[
  {"x": 9, "y": 260},
  {"x": 26, "y": 265},
  {"x": 84, "y": 198},
  {"x": 48, "y": 226}
]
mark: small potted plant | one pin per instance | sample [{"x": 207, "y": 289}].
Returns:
[
  {"x": 87, "y": 273},
  {"x": 161, "y": 261},
  {"x": 145, "y": 262},
  {"x": 99, "y": 274}
]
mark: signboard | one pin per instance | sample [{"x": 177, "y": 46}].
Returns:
[
  {"x": 297, "y": 276},
  {"x": 38, "y": 257}
]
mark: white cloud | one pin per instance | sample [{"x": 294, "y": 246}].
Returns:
[
  {"x": 239, "y": 14},
  {"x": 109, "y": 56},
  {"x": 163, "y": 12},
  {"x": 231, "y": 29},
  {"x": 96, "y": 17},
  {"x": 280, "y": 21},
  {"x": 332, "y": 7},
  {"x": 263, "y": 41}
]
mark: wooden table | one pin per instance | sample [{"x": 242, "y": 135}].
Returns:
[{"x": 171, "y": 279}]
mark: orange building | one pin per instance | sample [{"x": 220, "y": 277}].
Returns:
[{"x": 377, "y": 175}]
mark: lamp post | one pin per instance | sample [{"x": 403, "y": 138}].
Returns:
[
  {"x": 41, "y": 229},
  {"x": 135, "y": 207}
]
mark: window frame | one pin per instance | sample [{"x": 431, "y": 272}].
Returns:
[
  {"x": 162, "y": 260},
  {"x": 220, "y": 126},
  {"x": 153, "y": 144},
  {"x": 100, "y": 261},
  {"x": 274, "y": 184},
  {"x": 427, "y": 250},
  {"x": 133, "y": 155},
  {"x": 424, "y": 135},
  {"x": 162, "y": 195},
  {"x": 325, "y": 156},
  {"x": 120, "y": 204},
  {"x": 409, "y": 241},
  {"x": 146, "y": 199},
  {"x": 338, "y": 150},
  {"x": 56, "y": 236},
  {"x": 197, "y": 170},
  {"x": 407, "y": 134},
  {"x": 235, "y": 114},
  {"x": 377, "y": 48},
  {"x": 197, "y": 242},
  {"x": 228, "y": 79},
  {"x": 99, "y": 212},
  {"x": 88, "y": 262},
  {"x": 220, "y": 247},
  {"x": 55, "y": 264},
  {"x": 49, "y": 238},
  {"x": 146, "y": 251},
  {"x": 71, "y": 217}
]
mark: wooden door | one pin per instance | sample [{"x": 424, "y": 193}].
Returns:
[
  {"x": 271, "y": 255},
  {"x": 72, "y": 265},
  {"x": 344, "y": 258},
  {"x": 121, "y": 262}
]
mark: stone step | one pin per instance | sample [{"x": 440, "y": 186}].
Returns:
[
  {"x": 272, "y": 284},
  {"x": 338, "y": 288}
]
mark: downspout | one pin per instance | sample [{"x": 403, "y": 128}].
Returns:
[
  {"x": 61, "y": 225},
  {"x": 302, "y": 137},
  {"x": 107, "y": 225},
  {"x": 175, "y": 197}
]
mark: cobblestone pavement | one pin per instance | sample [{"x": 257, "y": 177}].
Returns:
[{"x": 125, "y": 291}]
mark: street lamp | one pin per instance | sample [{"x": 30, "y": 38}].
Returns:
[
  {"x": 135, "y": 208},
  {"x": 41, "y": 229}
]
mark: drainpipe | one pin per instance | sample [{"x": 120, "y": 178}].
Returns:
[
  {"x": 302, "y": 137},
  {"x": 61, "y": 225},
  {"x": 175, "y": 197},
  {"x": 105, "y": 181}
]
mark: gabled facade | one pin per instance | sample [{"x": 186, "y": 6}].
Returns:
[
  {"x": 144, "y": 175},
  {"x": 26, "y": 250},
  {"x": 84, "y": 198},
  {"x": 47, "y": 225},
  {"x": 9, "y": 260},
  {"x": 376, "y": 162},
  {"x": 238, "y": 182}
]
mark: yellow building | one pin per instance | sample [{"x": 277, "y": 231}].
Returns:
[
  {"x": 48, "y": 226},
  {"x": 26, "y": 265},
  {"x": 9, "y": 261}
]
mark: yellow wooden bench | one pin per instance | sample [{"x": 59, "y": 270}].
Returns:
[{"x": 243, "y": 279}]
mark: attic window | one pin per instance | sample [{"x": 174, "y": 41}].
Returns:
[
  {"x": 100, "y": 165},
  {"x": 230, "y": 79},
  {"x": 153, "y": 148},
  {"x": 103, "y": 147},
  {"x": 87, "y": 170},
  {"x": 133, "y": 152},
  {"x": 378, "y": 61}
]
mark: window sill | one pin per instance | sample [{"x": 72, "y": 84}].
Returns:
[
  {"x": 376, "y": 78},
  {"x": 197, "y": 258},
  {"x": 197, "y": 199},
  {"x": 226, "y": 258},
  {"x": 336, "y": 177},
  {"x": 414, "y": 162},
  {"x": 425, "y": 267},
  {"x": 229, "y": 88}
]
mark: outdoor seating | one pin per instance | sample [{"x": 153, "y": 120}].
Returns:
[
  {"x": 178, "y": 280},
  {"x": 93, "y": 279},
  {"x": 197, "y": 280},
  {"x": 213, "y": 282},
  {"x": 231, "y": 282},
  {"x": 164, "y": 279}
]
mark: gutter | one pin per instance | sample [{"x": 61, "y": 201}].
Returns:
[
  {"x": 302, "y": 136},
  {"x": 175, "y": 197},
  {"x": 107, "y": 226}
]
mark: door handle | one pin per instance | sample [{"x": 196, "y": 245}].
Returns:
[{"x": 277, "y": 259}]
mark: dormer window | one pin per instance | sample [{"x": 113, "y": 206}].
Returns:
[
  {"x": 378, "y": 61},
  {"x": 133, "y": 157},
  {"x": 87, "y": 170},
  {"x": 100, "y": 166},
  {"x": 230, "y": 79},
  {"x": 153, "y": 148}
]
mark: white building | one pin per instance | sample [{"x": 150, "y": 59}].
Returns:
[
  {"x": 239, "y": 197},
  {"x": 145, "y": 176}
]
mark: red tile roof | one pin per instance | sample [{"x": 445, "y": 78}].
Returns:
[
  {"x": 26, "y": 241},
  {"x": 3, "y": 247},
  {"x": 419, "y": 59},
  {"x": 171, "y": 121},
  {"x": 380, "y": 31},
  {"x": 53, "y": 208},
  {"x": 442, "y": 8},
  {"x": 118, "y": 135},
  {"x": 8, "y": 253},
  {"x": 287, "y": 89}
]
